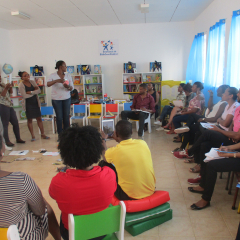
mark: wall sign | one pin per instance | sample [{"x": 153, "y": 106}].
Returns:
[{"x": 108, "y": 47}]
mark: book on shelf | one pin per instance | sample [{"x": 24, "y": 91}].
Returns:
[
  {"x": 20, "y": 100},
  {"x": 94, "y": 89},
  {"x": 18, "y": 92},
  {"x": 76, "y": 80},
  {"x": 129, "y": 67},
  {"x": 70, "y": 69},
  {"x": 155, "y": 66},
  {"x": 97, "y": 69},
  {"x": 134, "y": 88},
  {"x": 42, "y": 101},
  {"x": 36, "y": 70},
  {"x": 125, "y": 79},
  {"x": 158, "y": 77},
  {"x": 88, "y": 80},
  {"x": 39, "y": 81},
  {"x": 87, "y": 89},
  {"x": 22, "y": 115},
  {"x": 15, "y": 83},
  {"x": 42, "y": 90},
  {"x": 94, "y": 80},
  {"x": 100, "y": 79},
  {"x": 148, "y": 78},
  {"x": 79, "y": 69},
  {"x": 124, "y": 88},
  {"x": 85, "y": 69},
  {"x": 132, "y": 79},
  {"x": 129, "y": 88},
  {"x": 99, "y": 89}
]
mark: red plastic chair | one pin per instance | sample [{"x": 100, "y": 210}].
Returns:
[{"x": 112, "y": 108}]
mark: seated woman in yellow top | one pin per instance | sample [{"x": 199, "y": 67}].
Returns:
[{"x": 132, "y": 161}]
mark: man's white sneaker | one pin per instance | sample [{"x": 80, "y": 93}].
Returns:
[
  {"x": 159, "y": 129},
  {"x": 8, "y": 148},
  {"x": 158, "y": 123}
]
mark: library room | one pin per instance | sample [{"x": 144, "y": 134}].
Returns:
[{"x": 119, "y": 120}]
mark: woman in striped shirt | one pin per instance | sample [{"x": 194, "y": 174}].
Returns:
[{"x": 22, "y": 204}]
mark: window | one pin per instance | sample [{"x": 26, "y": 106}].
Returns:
[
  {"x": 196, "y": 60},
  {"x": 215, "y": 55}
]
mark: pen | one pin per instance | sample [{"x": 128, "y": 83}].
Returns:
[
  {"x": 21, "y": 152},
  {"x": 221, "y": 145}
]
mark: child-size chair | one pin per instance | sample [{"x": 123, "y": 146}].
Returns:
[
  {"x": 79, "y": 108},
  {"x": 10, "y": 233},
  {"x": 95, "y": 109},
  {"x": 106, "y": 222},
  {"x": 47, "y": 111},
  {"x": 126, "y": 107},
  {"x": 114, "y": 110}
]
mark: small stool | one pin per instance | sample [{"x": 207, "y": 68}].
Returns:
[{"x": 147, "y": 213}]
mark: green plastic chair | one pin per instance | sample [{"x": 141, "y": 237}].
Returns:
[{"x": 108, "y": 222}]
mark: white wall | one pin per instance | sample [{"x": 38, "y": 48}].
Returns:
[
  {"x": 219, "y": 9},
  {"x": 5, "y": 50},
  {"x": 169, "y": 43}
]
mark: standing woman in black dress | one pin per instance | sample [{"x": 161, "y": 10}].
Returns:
[{"x": 31, "y": 104}]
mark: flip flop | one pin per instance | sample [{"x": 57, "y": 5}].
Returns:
[
  {"x": 194, "y": 191},
  {"x": 45, "y": 137},
  {"x": 33, "y": 139}
]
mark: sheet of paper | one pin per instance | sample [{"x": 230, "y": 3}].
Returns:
[
  {"x": 212, "y": 155},
  {"x": 139, "y": 110},
  {"x": 23, "y": 152},
  {"x": 51, "y": 154},
  {"x": 178, "y": 103},
  {"x": 207, "y": 125}
]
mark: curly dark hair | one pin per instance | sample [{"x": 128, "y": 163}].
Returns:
[
  {"x": 80, "y": 147},
  {"x": 21, "y": 73},
  {"x": 187, "y": 87},
  {"x": 59, "y": 64},
  {"x": 199, "y": 85}
]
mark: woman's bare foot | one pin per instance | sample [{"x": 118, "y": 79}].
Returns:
[
  {"x": 198, "y": 188},
  {"x": 43, "y": 136}
]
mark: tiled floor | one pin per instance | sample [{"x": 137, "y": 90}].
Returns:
[{"x": 218, "y": 222}]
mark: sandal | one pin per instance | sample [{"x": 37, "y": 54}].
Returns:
[
  {"x": 33, "y": 139},
  {"x": 45, "y": 137},
  {"x": 195, "y": 169},
  {"x": 189, "y": 160},
  {"x": 170, "y": 132},
  {"x": 194, "y": 191}
]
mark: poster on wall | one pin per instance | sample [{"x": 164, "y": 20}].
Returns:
[{"x": 108, "y": 47}]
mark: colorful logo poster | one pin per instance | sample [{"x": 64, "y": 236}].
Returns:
[{"x": 108, "y": 47}]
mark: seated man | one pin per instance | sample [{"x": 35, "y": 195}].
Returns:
[
  {"x": 86, "y": 189},
  {"x": 141, "y": 101},
  {"x": 132, "y": 161}
]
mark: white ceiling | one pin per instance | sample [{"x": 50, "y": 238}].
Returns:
[{"x": 75, "y": 13}]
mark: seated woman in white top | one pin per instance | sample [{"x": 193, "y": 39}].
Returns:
[
  {"x": 212, "y": 114},
  {"x": 22, "y": 204}
]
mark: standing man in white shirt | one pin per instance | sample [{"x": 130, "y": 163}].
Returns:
[{"x": 61, "y": 83}]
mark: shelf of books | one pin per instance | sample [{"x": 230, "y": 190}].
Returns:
[
  {"x": 17, "y": 98},
  {"x": 153, "y": 77},
  {"x": 132, "y": 81},
  {"x": 93, "y": 86},
  {"x": 78, "y": 84}
]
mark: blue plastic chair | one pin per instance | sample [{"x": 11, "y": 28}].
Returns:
[
  {"x": 47, "y": 111},
  {"x": 126, "y": 106},
  {"x": 79, "y": 108}
]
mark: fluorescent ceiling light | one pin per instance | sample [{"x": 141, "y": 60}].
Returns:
[
  {"x": 144, "y": 8},
  {"x": 20, "y": 15}
]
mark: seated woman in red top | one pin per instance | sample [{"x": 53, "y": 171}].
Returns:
[{"x": 86, "y": 189}]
